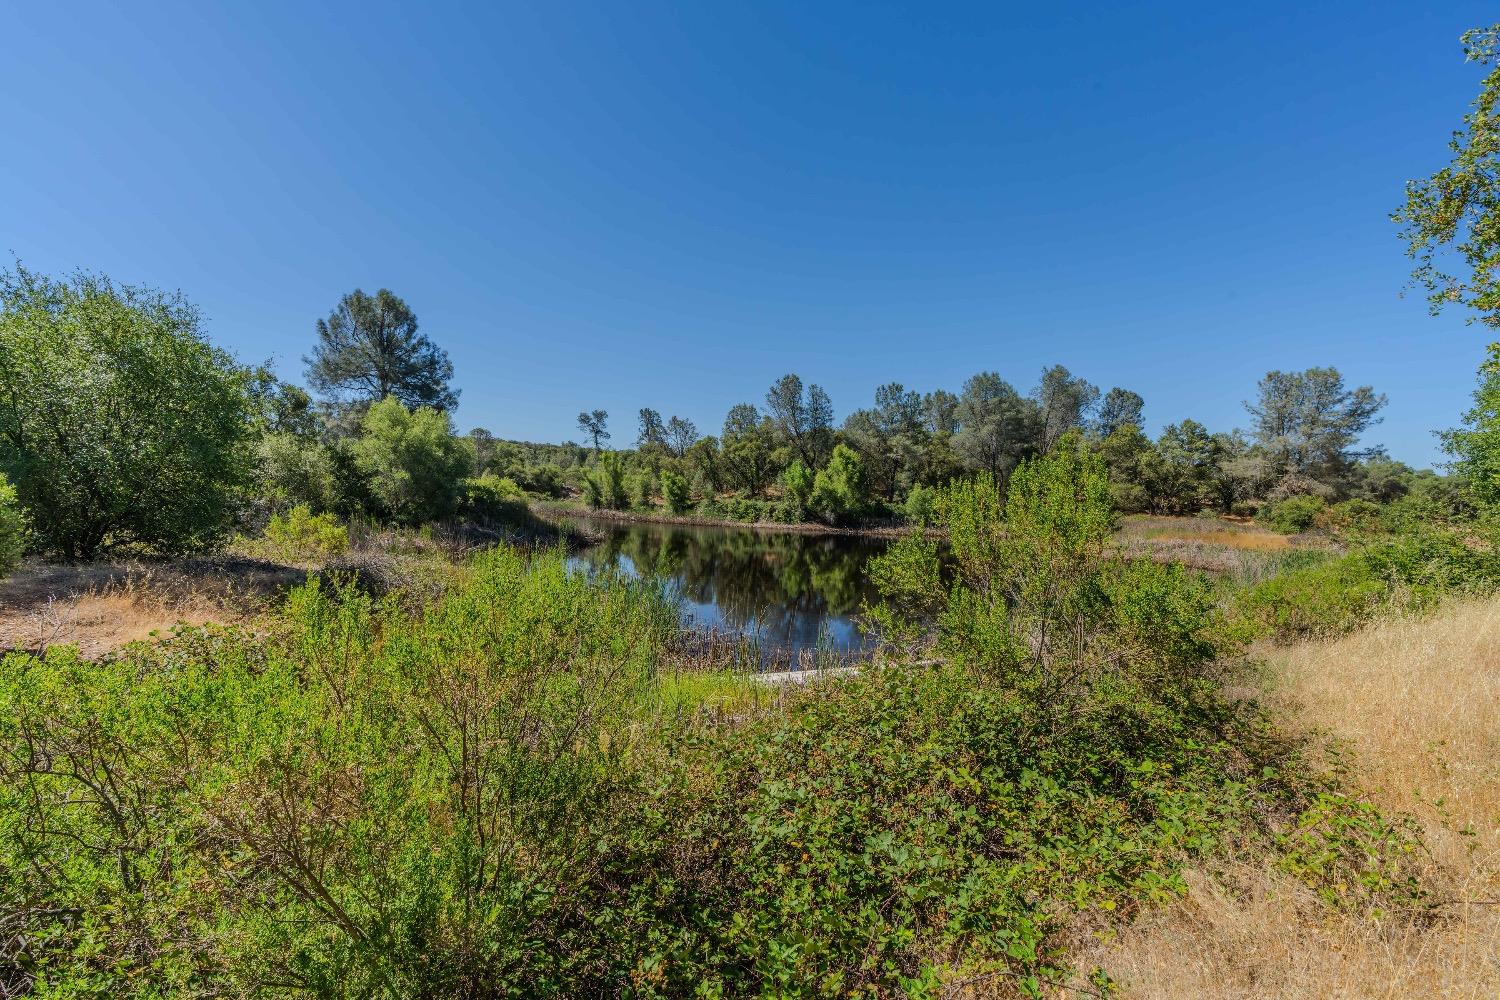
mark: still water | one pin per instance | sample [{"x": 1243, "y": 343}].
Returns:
[{"x": 792, "y": 591}]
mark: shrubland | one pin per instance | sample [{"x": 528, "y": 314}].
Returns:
[{"x": 505, "y": 787}]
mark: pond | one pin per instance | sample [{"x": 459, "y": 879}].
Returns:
[{"x": 791, "y": 591}]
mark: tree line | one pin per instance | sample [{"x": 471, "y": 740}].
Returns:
[{"x": 123, "y": 427}]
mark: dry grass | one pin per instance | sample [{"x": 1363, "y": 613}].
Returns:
[
  {"x": 1250, "y": 541},
  {"x": 1216, "y": 544},
  {"x": 1416, "y": 704},
  {"x": 101, "y": 606}
]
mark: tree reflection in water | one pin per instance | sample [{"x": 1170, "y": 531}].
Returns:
[{"x": 790, "y": 590}]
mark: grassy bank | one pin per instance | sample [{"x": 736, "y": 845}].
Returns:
[{"x": 1414, "y": 705}]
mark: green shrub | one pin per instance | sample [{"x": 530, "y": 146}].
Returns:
[
  {"x": 1328, "y": 597},
  {"x": 675, "y": 491},
  {"x": 921, "y": 505},
  {"x": 349, "y": 805},
  {"x": 1352, "y": 517},
  {"x": 797, "y": 488},
  {"x": 120, "y": 425},
  {"x": 1411, "y": 570},
  {"x": 605, "y": 485},
  {"x": 296, "y": 470},
  {"x": 489, "y": 498},
  {"x": 839, "y": 492},
  {"x": 14, "y": 532},
  {"x": 414, "y": 464},
  {"x": 302, "y": 531},
  {"x": 1292, "y": 515}
]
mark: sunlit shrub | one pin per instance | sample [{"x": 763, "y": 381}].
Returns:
[
  {"x": 13, "y": 529},
  {"x": 302, "y": 531},
  {"x": 1292, "y": 515},
  {"x": 675, "y": 491}
]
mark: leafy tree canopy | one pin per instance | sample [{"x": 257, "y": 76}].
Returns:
[
  {"x": 369, "y": 348},
  {"x": 1451, "y": 220},
  {"x": 120, "y": 425}
]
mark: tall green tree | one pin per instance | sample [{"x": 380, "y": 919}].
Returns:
[
  {"x": 804, "y": 417},
  {"x": 595, "y": 424},
  {"x": 1451, "y": 220},
  {"x": 681, "y": 435},
  {"x": 1308, "y": 422},
  {"x": 747, "y": 448},
  {"x": 997, "y": 425},
  {"x": 1064, "y": 402},
  {"x": 414, "y": 463},
  {"x": 120, "y": 425},
  {"x": 369, "y": 348},
  {"x": 1118, "y": 408},
  {"x": 1475, "y": 447},
  {"x": 653, "y": 430}
]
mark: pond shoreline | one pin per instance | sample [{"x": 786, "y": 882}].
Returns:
[{"x": 681, "y": 521}]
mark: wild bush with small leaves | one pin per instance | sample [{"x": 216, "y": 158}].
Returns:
[
  {"x": 13, "y": 529},
  {"x": 1292, "y": 515},
  {"x": 301, "y": 531}
]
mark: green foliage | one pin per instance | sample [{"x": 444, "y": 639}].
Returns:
[
  {"x": 14, "y": 530},
  {"x": 676, "y": 492},
  {"x": 1352, "y": 518},
  {"x": 293, "y": 469},
  {"x": 369, "y": 349},
  {"x": 414, "y": 464},
  {"x": 839, "y": 492},
  {"x": 1476, "y": 446},
  {"x": 1306, "y": 423},
  {"x": 301, "y": 531},
  {"x": 350, "y": 807},
  {"x": 1409, "y": 570},
  {"x": 797, "y": 487},
  {"x": 639, "y": 489},
  {"x": 604, "y": 487},
  {"x": 1353, "y": 856},
  {"x": 120, "y": 426},
  {"x": 921, "y": 505},
  {"x": 908, "y": 577},
  {"x": 1454, "y": 210},
  {"x": 1293, "y": 515},
  {"x": 490, "y": 498}
]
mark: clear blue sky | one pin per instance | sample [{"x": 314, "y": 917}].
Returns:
[{"x": 619, "y": 205}]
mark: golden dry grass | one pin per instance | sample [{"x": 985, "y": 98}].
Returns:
[
  {"x": 1250, "y": 541},
  {"x": 1416, "y": 703},
  {"x": 101, "y": 606}
]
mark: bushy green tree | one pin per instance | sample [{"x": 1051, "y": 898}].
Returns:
[
  {"x": 840, "y": 492},
  {"x": 292, "y": 470},
  {"x": 1308, "y": 422},
  {"x": 13, "y": 528},
  {"x": 804, "y": 418},
  {"x": 414, "y": 464},
  {"x": 369, "y": 348},
  {"x": 1456, "y": 211},
  {"x": 1475, "y": 447},
  {"x": 797, "y": 483},
  {"x": 747, "y": 449},
  {"x": 675, "y": 491},
  {"x": 997, "y": 425},
  {"x": 120, "y": 425},
  {"x": 604, "y": 486}
]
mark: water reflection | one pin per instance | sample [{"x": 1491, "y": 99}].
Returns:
[{"x": 791, "y": 590}]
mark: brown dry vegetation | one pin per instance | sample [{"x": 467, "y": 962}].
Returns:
[
  {"x": 1215, "y": 544},
  {"x": 1416, "y": 705},
  {"x": 100, "y": 606}
]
